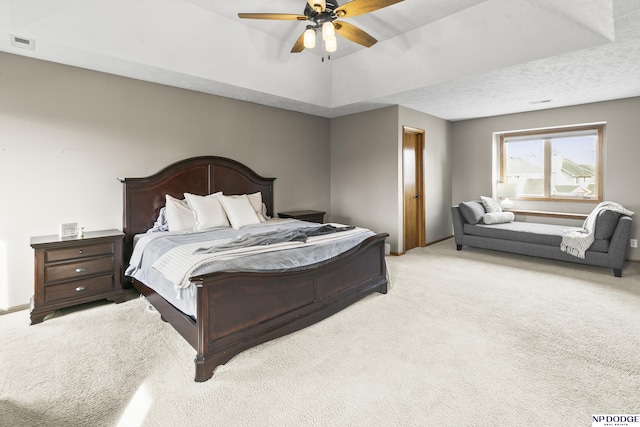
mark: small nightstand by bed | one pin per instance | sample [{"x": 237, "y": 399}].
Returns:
[{"x": 75, "y": 270}]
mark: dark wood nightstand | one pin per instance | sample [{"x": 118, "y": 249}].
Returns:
[
  {"x": 75, "y": 270},
  {"x": 311, "y": 216}
]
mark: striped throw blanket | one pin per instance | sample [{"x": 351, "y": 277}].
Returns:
[{"x": 577, "y": 242}]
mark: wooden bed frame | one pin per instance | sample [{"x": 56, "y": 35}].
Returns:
[{"x": 239, "y": 310}]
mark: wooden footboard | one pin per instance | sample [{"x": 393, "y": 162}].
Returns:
[{"x": 237, "y": 311}]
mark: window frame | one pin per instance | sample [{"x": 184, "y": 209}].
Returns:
[{"x": 556, "y": 133}]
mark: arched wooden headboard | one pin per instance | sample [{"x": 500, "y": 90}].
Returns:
[{"x": 144, "y": 197}]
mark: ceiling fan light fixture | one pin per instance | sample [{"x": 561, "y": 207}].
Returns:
[
  {"x": 309, "y": 38},
  {"x": 328, "y": 31},
  {"x": 331, "y": 44}
]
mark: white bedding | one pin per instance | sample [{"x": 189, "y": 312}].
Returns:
[{"x": 164, "y": 261}]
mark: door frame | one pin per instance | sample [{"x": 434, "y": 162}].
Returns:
[{"x": 408, "y": 130}]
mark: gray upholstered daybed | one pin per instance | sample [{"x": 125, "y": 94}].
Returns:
[{"x": 612, "y": 232}]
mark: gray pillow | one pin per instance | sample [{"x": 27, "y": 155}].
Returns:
[
  {"x": 606, "y": 224},
  {"x": 472, "y": 211}
]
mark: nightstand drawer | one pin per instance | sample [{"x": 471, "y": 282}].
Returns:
[
  {"x": 78, "y": 289},
  {"x": 73, "y": 270},
  {"x": 84, "y": 251}
]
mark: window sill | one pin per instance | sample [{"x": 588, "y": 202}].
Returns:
[{"x": 548, "y": 214}]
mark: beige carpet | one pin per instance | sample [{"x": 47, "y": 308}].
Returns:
[{"x": 470, "y": 338}]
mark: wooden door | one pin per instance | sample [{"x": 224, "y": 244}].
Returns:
[{"x": 413, "y": 187}]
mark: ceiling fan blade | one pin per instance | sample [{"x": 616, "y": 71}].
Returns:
[
  {"x": 360, "y": 7},
  {"x": 353, "y": 33},
  {"x": 317, "y": 5},
  {"x": 298, "y": 46},
  {"x": 279, "y": 16}
]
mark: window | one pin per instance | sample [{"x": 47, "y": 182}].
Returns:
[{"x": 554, "y": 164}]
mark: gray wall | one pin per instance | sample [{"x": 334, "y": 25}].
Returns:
[
  {"x": 66, "y": 134},
  {"x": 474, "y": 150},
  {"x": 366, "y": 171}
]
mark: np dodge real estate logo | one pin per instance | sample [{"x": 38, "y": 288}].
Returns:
[{"x": 611, "y": 420}]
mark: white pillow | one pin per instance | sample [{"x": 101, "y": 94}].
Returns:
[
  {"x": 256, "y": 202},
  {"x": 498, "y": 217},
  {"x": 239, "y": 211},
  {"x": 179, "y": 215},
  {"x": 264, "y": 213},
  {"x": 208, "y": 211},
  {"x": 491, "y": 205}
]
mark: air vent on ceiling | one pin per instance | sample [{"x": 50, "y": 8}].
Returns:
[
  {"x": 22, "y": 42},
  {"x": 542, "y": 101}
]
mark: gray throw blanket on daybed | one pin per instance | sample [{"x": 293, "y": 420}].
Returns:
[
  {"x": 577, "y": 242},
  {"x": 273, "y": 237}
]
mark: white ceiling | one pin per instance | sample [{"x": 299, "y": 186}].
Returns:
[{"x": 454, "y": 59}]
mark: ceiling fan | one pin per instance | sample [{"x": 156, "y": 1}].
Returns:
[{"x": 324, "y": 15}]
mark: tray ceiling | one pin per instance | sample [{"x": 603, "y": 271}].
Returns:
[{"x": 454, "y": 59}]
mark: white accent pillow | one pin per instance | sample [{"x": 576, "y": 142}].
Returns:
[
  {"x": 239, "y": 211},
  {"x": 265, "y": 215},
  {"x": 179, "y": 215},
  {"x": 256, "y": 202},
  {"x": 498, "y": 217},
  {"x": 490, "y": 204},
  {"x": 208, "y": 211}
]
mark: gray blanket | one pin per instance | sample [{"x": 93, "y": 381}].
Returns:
[{"x": 273, "y": 237}]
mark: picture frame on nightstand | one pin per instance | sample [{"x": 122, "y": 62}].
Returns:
[{"x": 68, "y": 230}]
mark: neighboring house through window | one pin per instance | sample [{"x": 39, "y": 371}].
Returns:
[{"x": 554, "y": 164}]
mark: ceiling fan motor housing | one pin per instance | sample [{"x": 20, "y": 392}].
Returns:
[{"x": 321, "y": 17}]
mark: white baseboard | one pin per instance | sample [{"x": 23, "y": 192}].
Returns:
[{"x": 14, "y": 309}]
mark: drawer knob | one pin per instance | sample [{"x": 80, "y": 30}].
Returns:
[
  {"x": 80, "y": 251},
  {"x": 80, "y": 270},
  {"x": 81, "y": 288}
]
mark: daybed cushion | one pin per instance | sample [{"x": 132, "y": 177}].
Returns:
[
  {"x": 498, "y": 217},
  {"x": 606, "y": 224},
  {"x": 529, "y": 232},
  {"x": 472, "y": 211}
]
